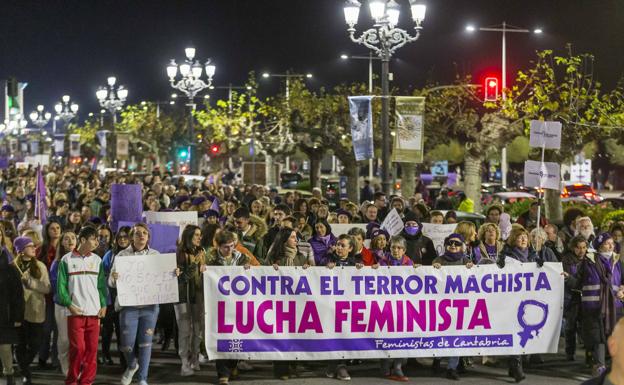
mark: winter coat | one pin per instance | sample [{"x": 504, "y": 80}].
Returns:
[
  {"x": 349, "y": 261},
  {"x": 321, "y": 248},
  {"x": 214, "y": 258},
  {"x": 571, "y": 295},
  {"x": 34, "y": 295},
  {"x": 467, "y": 206},
  {"x": 253, "y": 239},
  {"x": 484, "y": 252},
  {"x": 390, "y": 261},
  {"x": 445, "y": 262},
  {"x": 419, "y": 248},
  {"x": 188, "y": 285},
  {"x": 11, "y": 301}
]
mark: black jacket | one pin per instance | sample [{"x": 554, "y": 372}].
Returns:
[
  {"x": 11, "y": 300},
  {"x": 420, "y": 248}
]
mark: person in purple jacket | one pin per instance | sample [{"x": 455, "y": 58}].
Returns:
[
  {"x": 601, "y": 280},
  {"x": 397, "y": 256},
  {"x": 322, "y": 242}
]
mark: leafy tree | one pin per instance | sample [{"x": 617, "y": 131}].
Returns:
[
  {"x": 453, "y": 152},
  {"x": 518, "y": 150}
]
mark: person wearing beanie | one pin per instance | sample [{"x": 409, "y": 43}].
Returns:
[
  {"x": 344, "y": 217},
  {"x": 601, "y": 281},
  {"x": 379, "y": 244},
  {"x": 419, "y": 247},
  {"x": 454, "y": 255},
  {"x": 36, "y": 284},
  {"x": 12, "y": 308}
]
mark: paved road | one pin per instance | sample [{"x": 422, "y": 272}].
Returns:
[{"x": 165, "y": 370}]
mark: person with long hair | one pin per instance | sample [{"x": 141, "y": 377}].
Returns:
[
  {"x": 36, "y": 282},
  {"x": 67, "y": 244},
  {"x": 81, "y": 288},
  {"x": 105, "y": 239},
  {"x": 189, "y": 311},
  {"x": 110, "y": 323},
  {"x": 11, "y": 313},
  {"x": 137, "y": 322},
  {"x": 490, "y": 244},
  {"x": 47, "y": 255},
  {"x": 6, "y": 242},
  {"x": 322, "y": 242}
]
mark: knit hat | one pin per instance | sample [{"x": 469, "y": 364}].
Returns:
[
  {"x": 602, "y": 238},
  {"x": 379, "y": 232},
  {"x": 198, "y": 201},
  {"x": 453, "y": 236},
  {"x": 20, "y": 243},
  {"x": 7, "y": 208},
  {"x": 410, "y": 216},
  {"x": 344, "y": 212}
]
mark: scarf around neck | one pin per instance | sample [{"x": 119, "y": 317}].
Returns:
[{"x": 289, "y": 255}]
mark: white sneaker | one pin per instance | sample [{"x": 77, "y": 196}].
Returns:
[
  {"x": 245, "y": 366},
  {"x": 186, "y": 370},
  {"x": 126, "y": 378},
  {"x": 195, "y": 366},
  {"x": 143, "y": 382},
  {"x": 203, "y": 359}
]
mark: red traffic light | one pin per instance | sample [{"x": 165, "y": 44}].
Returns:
[
  {"x": 491, "y": 89},
  {"x": 214, "y": 149}
]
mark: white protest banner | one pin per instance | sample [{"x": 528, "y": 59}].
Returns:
[
  {"x": 542, "y": 174},
  {"x": 343, "y": 228},
  {"x": 437, "y": 233},
  {"x": 393, "y": 223},
  {"x": 146, "y": 279},
  {"x": 545, "y": 134},
  {"x": 391, "y": 312},
  {"x": 174, "y": 218}
]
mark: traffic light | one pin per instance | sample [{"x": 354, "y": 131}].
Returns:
[
  {"x": 183, "y": 153},
  {"x": 491, "y": 89},
  {"x": 12, "y": 95},
  {"x": 215, "y": 149}
]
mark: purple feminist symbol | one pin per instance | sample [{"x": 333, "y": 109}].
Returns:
[{"x": 527, "y": 330}]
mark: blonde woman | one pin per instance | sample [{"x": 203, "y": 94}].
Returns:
[
  {"x": 469, "y": 231},
  {"x": 490, "y": 244}
]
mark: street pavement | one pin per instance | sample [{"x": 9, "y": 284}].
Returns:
[{"x": 165, "y": 368}]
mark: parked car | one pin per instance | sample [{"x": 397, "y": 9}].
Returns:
[
  {"x": 290, "y": 179},
  {"x": 616, "y": 202},
  {"x": 330, "y": 187},
  {"x": 581, "y": 190},
  {"x": 514, "y": 196},
  {"x": 475, "y": 218}
]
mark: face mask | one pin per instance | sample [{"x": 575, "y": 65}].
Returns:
[{"x": 412, "y": 230}]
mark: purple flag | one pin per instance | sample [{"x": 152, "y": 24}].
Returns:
[
  {"x": 215, "y": 205},
  {"x": 41, "y": 206},
  {"x": 126, "y": 204}
]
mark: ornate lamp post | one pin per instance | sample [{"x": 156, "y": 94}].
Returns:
[
  {"x": 191, "y": 83},
  {"x": 384, "y": 39},
  {"x": 40, "y": 118},
  {"x": 112, "y": 98},
  {"x": 65, "y": 111}
]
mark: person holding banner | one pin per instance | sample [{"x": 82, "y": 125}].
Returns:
[
  {"x": 469, "y": 231},
  {"x": 454, "y": 255},
  {"x": 362, "y": 254},
  {"x": 600, "y": 277},
  {"x": 284, "y": 252},
  {"x": 322, "y": 242},
  {"x": 189, "y": 312},
  {"x": 137, "y": 322},
  {"x": 224, "y": 254},
  {"x": 490, "y": 244},
  {"x": 81, "y": 289},
  {"x": 379, "y": 243},
  {"x": 397, "y": 256},
  {"x": 419, "y": 247}
]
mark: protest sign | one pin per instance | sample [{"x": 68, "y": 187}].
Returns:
[
  {"x": 126, "y": 204},
  {"x": 437, "y": 233},
  {"x": 146, "y": 279},
  {"x": 361, "y": 126},
  {"x": 173, "y": 218},
  {"x": 343, "y": 228},
  {"x": 546, "y": 134},
  {"x": 542, "y": 174},
  {"x": 390, "y": 312},
  {"x": 393, "y": 223}
]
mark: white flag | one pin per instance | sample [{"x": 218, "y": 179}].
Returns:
[
  {"x": 544, "y": 175},
  {"x": 545, "y": 134}
]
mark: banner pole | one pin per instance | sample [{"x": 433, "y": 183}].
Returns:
[{"x": 541, "y": 190}]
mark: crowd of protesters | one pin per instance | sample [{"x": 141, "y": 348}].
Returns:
[{"x": 58, "y": 273}]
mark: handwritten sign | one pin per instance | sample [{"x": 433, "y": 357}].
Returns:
[
  {"x": 173, "y": 218},
  {"x": 393, "y": 223},
  {"x": 437, "y": 233},
  {"x": 146, "y": 279}
]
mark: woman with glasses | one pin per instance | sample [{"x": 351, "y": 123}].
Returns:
[
  {"x": 110, "y": 322},
  {"x": 137, "y": 322},
  {"x": 454, "y": 255}
]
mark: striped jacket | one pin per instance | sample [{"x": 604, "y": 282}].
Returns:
[
  {"x": 82, "y": 283},
  {"x": 588, "y": 280}
]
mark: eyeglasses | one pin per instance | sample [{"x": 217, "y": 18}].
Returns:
[{"x": 454, "y": 243}]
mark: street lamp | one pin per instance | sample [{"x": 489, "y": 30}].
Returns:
[
  {"x": 384, "y": 39},
  {"x": 112, "y": 98},
  {"x": 287, "y": 76},
  {"x": 65, "y": 110},
  {"x": 503, "y": 29},
  {"x": 40, "y": 118},
  {"x": 191, "y": 84}
]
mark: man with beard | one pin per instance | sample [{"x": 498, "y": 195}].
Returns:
[
  {"x": 585, "y": 228},
  {"x": 250, "y": 232}
]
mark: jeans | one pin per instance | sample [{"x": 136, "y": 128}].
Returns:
[
  {"x": 50, "y": 336},
  {"x": 137, "y": 326},
  {"x": 453, "y": 362},
  {"x": 225, "y": 367},
  {"x": 190, "y": 319},
  {"x": 30, "y": 336},
  {"x": 62, "y": 344}
]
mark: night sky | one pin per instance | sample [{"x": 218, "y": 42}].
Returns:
[{"x": 72, "y": 46}]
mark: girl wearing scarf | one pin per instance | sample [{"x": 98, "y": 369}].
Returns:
[{"x": 600, "y": 278}]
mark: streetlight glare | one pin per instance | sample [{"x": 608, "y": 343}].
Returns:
[
  {"x": 470, "y": 28},
  {"x": 309, "y": 76},
  {"x": 265, "y": 75},
  {"x": 344, "y": 57},
  {"x": 537, "y": 31}
]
